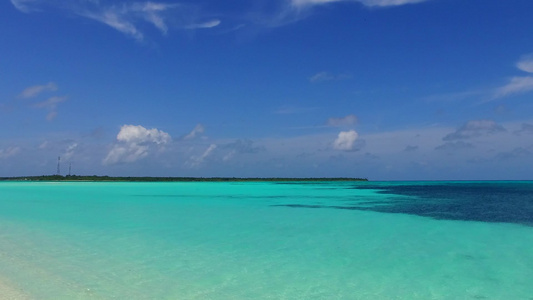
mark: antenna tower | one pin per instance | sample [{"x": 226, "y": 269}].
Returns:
[{"x": 69, "y": 168}]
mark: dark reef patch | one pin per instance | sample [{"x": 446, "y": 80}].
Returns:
[{"x": 504, "y": 202}]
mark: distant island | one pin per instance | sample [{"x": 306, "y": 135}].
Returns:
[{"x": 166, "y": 179}]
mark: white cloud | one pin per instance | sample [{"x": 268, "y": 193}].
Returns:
[
  {"x": 517, "y": 85},
  {"x": 70, "y": 151},
  {"x": 383, "y": 3},
  {"x": 526, "y": 63},
  {"x": 8, "y": 152},
  {"x": 370, "y": 3},
  {"x": 327, "y": 76},
  {"x": 126, "y": 17},
  {"x": 198, "y": 129},
  {"x": 208, "y": 24},
  {"x": 138, "y": 134},
  {"x": 135, "y": 142},
  {"x": 151, "y": 10},
  {"x": 43, "y": 145},
  {"x": 36, "y": 90},
  {"x": 208, "y": 151},
  {"x": 300, "y": 3},
  {"x": 290, "y": 11},
  {"x": 321, "y": 76},
  {"x": 345, "y": 140},
  {"x": 23, "y": 5},
  {"x": 51, "y": 115},
  {"x": 50, "y": 104},
  {"x": 196, "y": 161},
  {"x": 116, "y": 21},
  {"x": 344, "y": 121},
  {"x": 292, "y": 155},
  {"x": 229, "y": 155},
  {"x": 475, "y": 128}
]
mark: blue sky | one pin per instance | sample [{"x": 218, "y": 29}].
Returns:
[{"x": 384, "y": 89}]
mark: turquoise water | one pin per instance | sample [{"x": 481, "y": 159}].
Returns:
[{"x": 331, "y": 240}]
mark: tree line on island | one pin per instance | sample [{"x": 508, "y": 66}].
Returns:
[{"x": 168, "y": 179}]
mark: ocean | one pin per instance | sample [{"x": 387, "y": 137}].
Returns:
[{"x": 266, "y": 240}]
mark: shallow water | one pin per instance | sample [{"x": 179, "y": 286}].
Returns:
[{"x": 330, "y": 240}]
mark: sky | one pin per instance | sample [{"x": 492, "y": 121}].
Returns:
[{"x": 381, "y": 89}]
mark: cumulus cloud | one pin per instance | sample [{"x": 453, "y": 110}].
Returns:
[
  {"x": 36, "y": 90},
  {"x": 196, "y": 161},
  {"x": 138, "y": 134},
  {"x": 475, "y": 128},
  {"x": 345, "y": 140},
  {"x": 9, "y": 152},
  {"x": 135, "y": 142},
  {"x": 348, "y": 120},
  {"x": 526, "y": 63},
  {"x": 198, "y": 130}
]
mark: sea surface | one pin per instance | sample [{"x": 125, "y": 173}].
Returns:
[{"x": 266, "y": 240}]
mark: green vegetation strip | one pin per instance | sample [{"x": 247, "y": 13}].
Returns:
[{"x": 164, "y": 179}]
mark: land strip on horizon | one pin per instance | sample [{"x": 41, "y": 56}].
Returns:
[{"x": 169, "y": 179}]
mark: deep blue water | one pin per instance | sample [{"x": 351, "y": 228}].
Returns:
[{"x": 507, "y": 201}]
